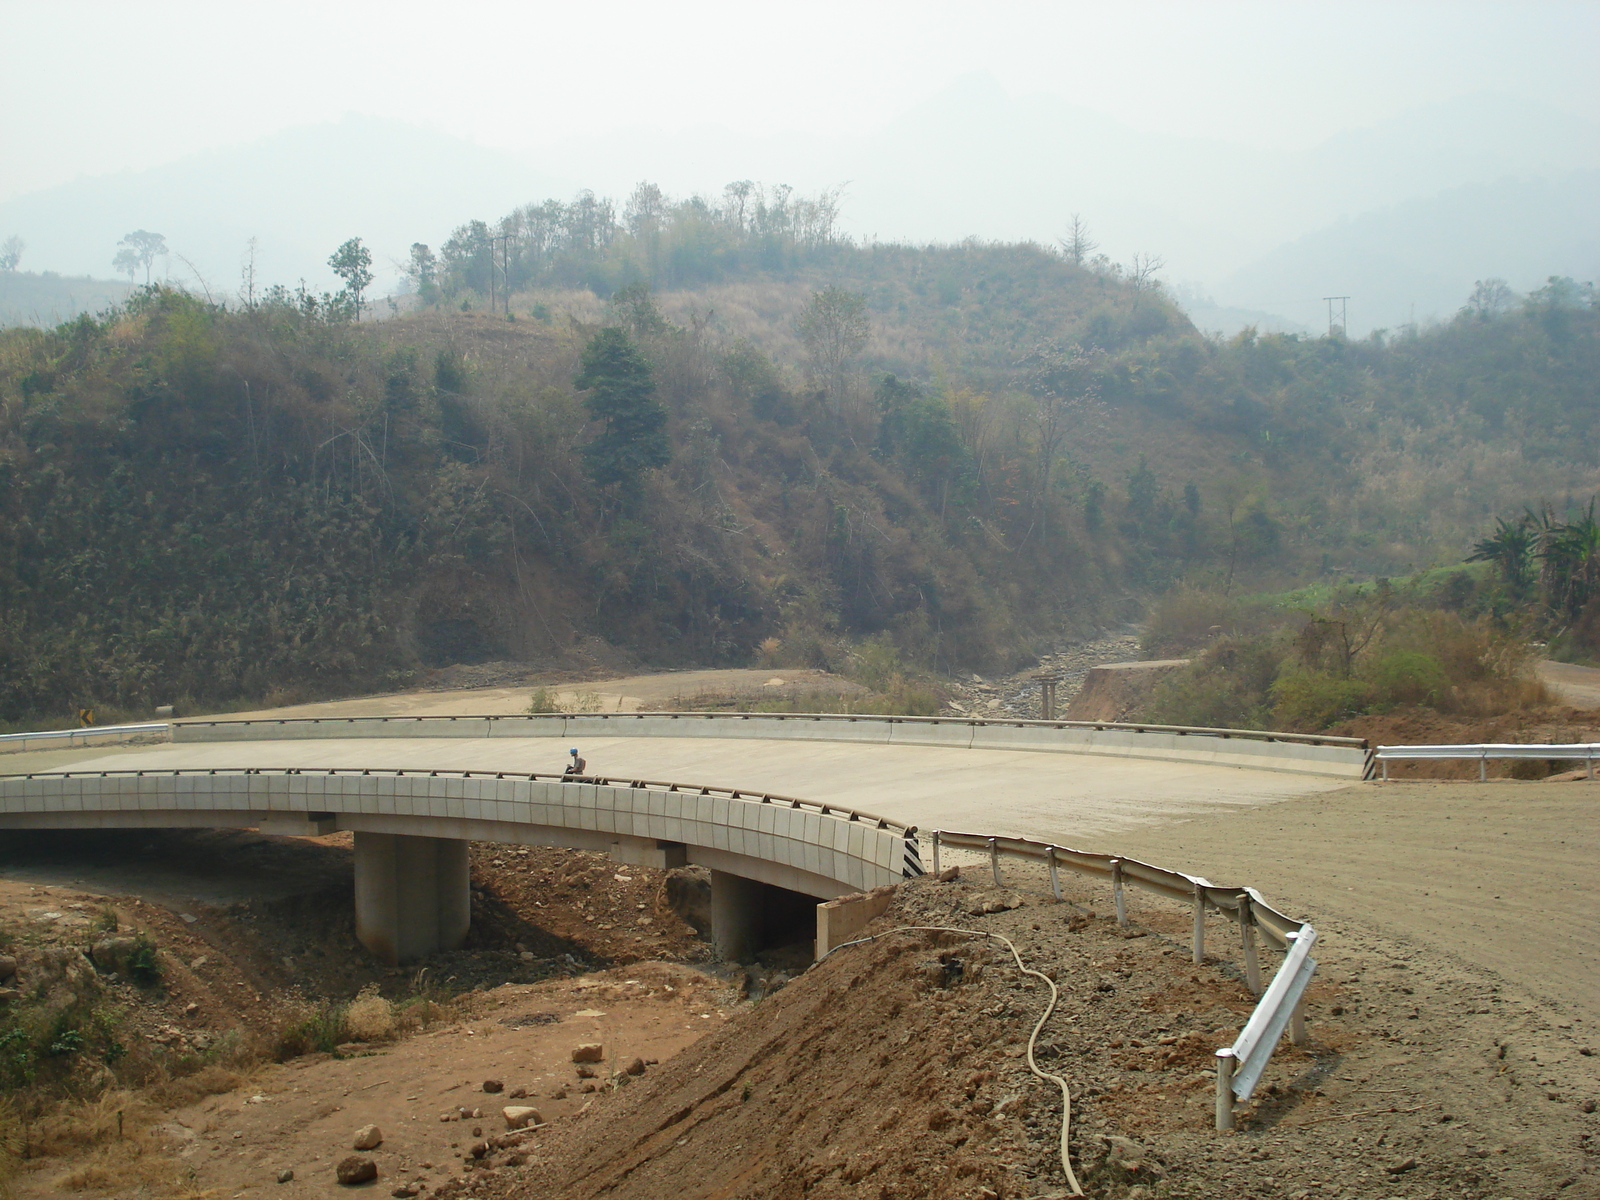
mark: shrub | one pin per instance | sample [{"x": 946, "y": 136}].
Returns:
[
  {"x": 1228, "y": 687},
  {"x": 370, "y": 1017},
  {"x": 1306, "y": 701},
  {"x": 1406, "y": 677},
  {"x": 548, "y": 700},
  {"x": 315, "y": 1028},
  {"x": 144, "y": 963}
]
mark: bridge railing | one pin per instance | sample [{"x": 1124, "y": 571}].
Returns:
[
  {"x": 1483, "y": 752},
  {"x": 1240, "y": 1065}
]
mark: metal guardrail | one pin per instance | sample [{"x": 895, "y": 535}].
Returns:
[
  {"x": 1483, "y": 751},
  {"x": 826, "y": 810},
  {"x": 73, "y": 736},
  {"x": 1257, "y": 735},
  {"x": 1239, "y": 1066}
]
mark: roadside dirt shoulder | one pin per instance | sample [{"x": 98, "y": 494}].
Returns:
[{"x": 1500, "y": 875}]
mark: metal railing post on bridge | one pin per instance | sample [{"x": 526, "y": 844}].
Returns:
[
  {"x": 1199, "y": 923},
  {"x": 1117, "y": 898}
]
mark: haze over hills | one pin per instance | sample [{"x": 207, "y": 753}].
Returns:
[
  {"x": 300, "y": 193},
  {"x": 1403, "y": 216}
]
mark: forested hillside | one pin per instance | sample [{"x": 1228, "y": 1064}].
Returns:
[{"x": 960, "y": 451}]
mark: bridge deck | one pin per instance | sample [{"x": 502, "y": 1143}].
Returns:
[{"x": 1048, "y": 796}]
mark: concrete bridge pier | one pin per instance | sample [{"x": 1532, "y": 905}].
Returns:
[{"x": 413, "y": 895}]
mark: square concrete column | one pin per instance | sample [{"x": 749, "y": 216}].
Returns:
[
  {"x": 413, "y": 895},
  {"x": 735, "y": 915}
]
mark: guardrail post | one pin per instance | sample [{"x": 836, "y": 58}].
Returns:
[
  {"x": 1297, "y": 1023},
  {"x": 1483, "y": 766},
  {"x": 935, "y": 851},
  {"x": 1117, "y": 897},
  {"x": 1199, "y": 924},
  {"x": 1224, "y": 1089},
  {"x": 1247, "y": 936},
  {"x": 994, "y": 862},
  {"x": 1385, "y": 770},
  {"x": 1055, "y": 879}
]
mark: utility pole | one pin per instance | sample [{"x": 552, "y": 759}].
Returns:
[{"x": 1343, "y": 322}]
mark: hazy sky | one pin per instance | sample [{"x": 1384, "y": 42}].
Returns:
[{"x": 88, "y": 88}]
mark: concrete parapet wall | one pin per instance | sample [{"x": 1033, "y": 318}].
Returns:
[{"x": 823, "y": 854}]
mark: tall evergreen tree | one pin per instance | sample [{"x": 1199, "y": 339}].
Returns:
[{"x": 622, "y": 397}]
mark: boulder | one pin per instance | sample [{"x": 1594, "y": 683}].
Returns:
[
  {"x": 286, "y": 1175},
  {"x": 493, "y": 1085},
  {"x": 520, "y": 1116},
  {"x": 8, "y": 967},
  {"x": 114, "y": 953},
  {"x": 634, "y": 1067},
  {"x": 589, "y": 1052},
  {"x": 368, "y": 1137},
  {"x": 355, "y": 1169}
]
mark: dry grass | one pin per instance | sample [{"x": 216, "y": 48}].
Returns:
[{"x": 370, "y": 1017}]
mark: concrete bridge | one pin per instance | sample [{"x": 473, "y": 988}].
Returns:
[{"x": 447, "y": 781}]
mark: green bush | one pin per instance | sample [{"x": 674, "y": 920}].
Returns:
[
  {"x": 317, "y": 1028},
  {"x": 1406, "y": 677},
  {"x": 1316, "y": 699},
  {"x": 1227, "y": 687}
]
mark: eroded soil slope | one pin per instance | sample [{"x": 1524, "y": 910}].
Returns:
[{"x": 885, "y": 1072}]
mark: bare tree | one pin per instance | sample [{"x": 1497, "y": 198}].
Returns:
[
  {"x": 11, "y": 252},
  {"x": 1078, "y": 245},
  {"x": 1490, "y": 298},
  {"x": 834, "y": 328},
  {"x": 1142, "y": 274}
]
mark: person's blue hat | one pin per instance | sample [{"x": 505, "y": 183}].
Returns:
[{"x": 574, "y": 750}]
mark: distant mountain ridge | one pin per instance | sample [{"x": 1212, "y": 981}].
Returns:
[{"x": 1271, "y": 231}]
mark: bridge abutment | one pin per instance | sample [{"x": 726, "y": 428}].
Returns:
[{"x": 413, "y": 895}]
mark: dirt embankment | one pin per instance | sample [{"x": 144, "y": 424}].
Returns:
[
  {"x": 893, "y": 1069},
  {"x": 1115, "y": 691},
  {"x": 890, "y": 1071}
]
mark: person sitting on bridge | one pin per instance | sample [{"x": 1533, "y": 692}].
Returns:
[{"x": 576, "y": 766}]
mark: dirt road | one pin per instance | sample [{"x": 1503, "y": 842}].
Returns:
[
  {"x": 634, "y": 693},
  {"x": 1576, "y": 685}
]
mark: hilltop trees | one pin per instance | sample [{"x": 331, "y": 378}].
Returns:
[
  {"x": 139, "y": 249},
  {"x": 654, "y": 239},
  {"x": 11, "y": 252},
  {"x": 352, "y": 262}
]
